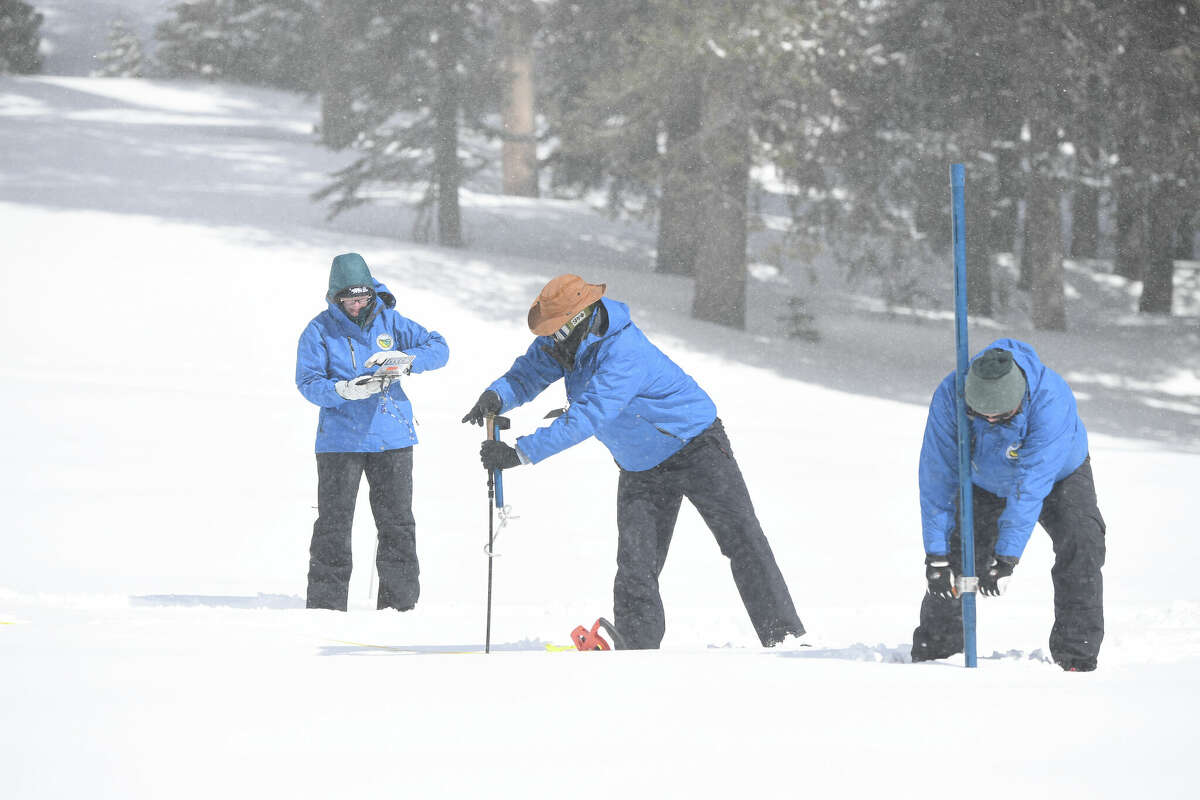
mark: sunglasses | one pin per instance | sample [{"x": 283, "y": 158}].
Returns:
[{"x": 994, "y": 419}]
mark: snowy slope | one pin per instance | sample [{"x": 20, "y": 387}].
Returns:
[{"x": 160, "y": 257}]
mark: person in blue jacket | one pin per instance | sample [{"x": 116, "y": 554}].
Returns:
[
  {"x": 664, "y": 434},
  {"x": 1029, "y": 464},
  {"x": 364, "y": 426}
]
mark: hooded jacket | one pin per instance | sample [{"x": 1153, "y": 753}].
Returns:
[
  {"x": 1019, "y": 460},
  {"x": 348, "y": 269},
  {"x": 623, "y": 390},
  {"x": 333, "y": 348}
]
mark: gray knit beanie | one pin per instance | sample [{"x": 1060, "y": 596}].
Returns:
[{"x": 995, "y": 384}]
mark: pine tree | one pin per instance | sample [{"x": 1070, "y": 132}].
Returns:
[
  {"x": 20, "y": 38},
  {"x": 966, "y": 81},
  {"x": 195, "y": 41},
  {"x": 123, "y": 58},
  {"x": 417, "y": 73},
  {"x": 257, "y": 42},
  {"x": 668, "y": 105},
  {"x": 1158, "y": 80}
]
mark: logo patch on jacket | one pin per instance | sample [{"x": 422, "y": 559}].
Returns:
[
  {"x": 384, "y": 341},
  {"x": 1012, "y": 453}
]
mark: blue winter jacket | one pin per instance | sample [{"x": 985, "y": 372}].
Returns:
[
  {"x": 623, "y": 390},
  {"x": 1019, "y": 460},
  {"x": 333, "y": 347}
]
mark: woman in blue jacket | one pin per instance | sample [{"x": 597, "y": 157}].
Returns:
[
  {"x": 662, "y": 430},
  {"x": 363, "y": 427},
  {"x": 1029, "y": 464}
]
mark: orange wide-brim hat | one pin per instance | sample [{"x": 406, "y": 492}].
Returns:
[{"x": 561, "y": 299}]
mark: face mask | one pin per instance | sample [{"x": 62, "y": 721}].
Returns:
[
  {"x": 562, "y": 333},
  {"x": 567, "y": 340}
]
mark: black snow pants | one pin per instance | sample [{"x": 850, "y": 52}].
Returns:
[
  {"x": 706, "y": 473},
  {"x": 389, "y": 475},
  {"x": 1072, "y": 519}
]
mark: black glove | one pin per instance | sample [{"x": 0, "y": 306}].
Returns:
[
  {"x": 940, "y": 577},
  {"x": 487, "y": 405},
  {"x": 995, "y": 578},
  {"x": 498, "y": 455}
]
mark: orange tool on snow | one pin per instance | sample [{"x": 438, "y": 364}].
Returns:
[{"x": 585, "y": 639}]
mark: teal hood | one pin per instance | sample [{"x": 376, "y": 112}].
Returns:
[{"x": 348, "y": 269}]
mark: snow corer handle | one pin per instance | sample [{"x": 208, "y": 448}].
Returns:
[
  {"x": 493, "y": 424},
  {"x": 585, "y": 639}
]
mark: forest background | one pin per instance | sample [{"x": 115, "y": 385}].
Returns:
[{"x": 827, "y": 123}]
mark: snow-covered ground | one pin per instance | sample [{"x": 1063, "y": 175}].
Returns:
[{"x": 160, "y": 258}]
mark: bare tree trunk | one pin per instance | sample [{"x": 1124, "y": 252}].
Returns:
[
  {"x": 1044, "y": 227},
  {"x": 1130, "y": 252},
  {"x": 679, "y": 208},
  {"x": 1185, "y": 236},
  {"x": 1025, "y": 265},
  {"x": 446, "y": 168},
  {"x": 721, "y": 258},
  {"x": 1085, "y": 225},
  {"x": 1130, "y": 247},
  {"x": 992, "y": 228},
  {"x": 1003, "y": 233},
  {"x": 979, "y": 256},
  {"x": 1158, "y": 290},
  {"x": 338, "y": 24},
  {"x": 1168, "y": 191},
  {"x": 930, "y": 208},
  {"x": 1025, "y": 268},
  {"x": 518, "y": 152},
  {"x": 336, "y": 132},
  {"x": 1085, "y": 204},
  {"x": 1043, "y": 236}
]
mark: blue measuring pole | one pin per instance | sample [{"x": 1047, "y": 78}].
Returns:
[{"x": 966, "y": 520}]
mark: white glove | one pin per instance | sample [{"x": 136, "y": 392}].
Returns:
[
  {"x": 356, "y": 390},
  {"x": 385, "y": 355}
]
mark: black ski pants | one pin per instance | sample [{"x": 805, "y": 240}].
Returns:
[
  {"x": 389, "y": 475},
  {"x": 648, "y": 502},
  {"x": 1072, "y": 519}
]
